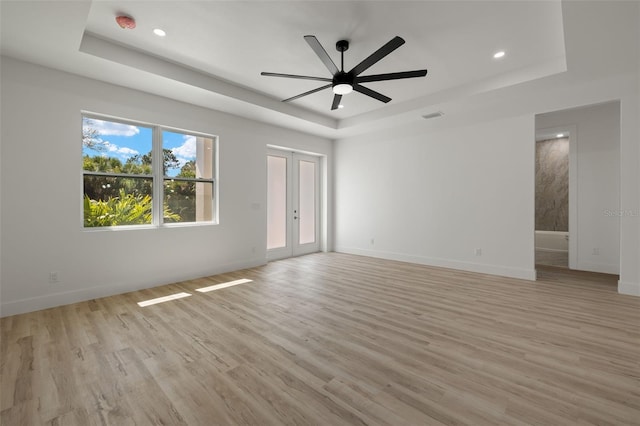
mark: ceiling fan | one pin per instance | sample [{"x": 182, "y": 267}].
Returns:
[{"x": 342, "y": 82}]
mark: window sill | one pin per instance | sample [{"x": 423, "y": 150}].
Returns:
[
  {"x": 147, "y": 227},
  {"x": 187, "y": 224}
]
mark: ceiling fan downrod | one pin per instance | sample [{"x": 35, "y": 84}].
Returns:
[
  {"x": 342, "y": 46},
  {"x": 342, "y": 82}
]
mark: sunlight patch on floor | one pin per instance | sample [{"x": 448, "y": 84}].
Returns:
[
  {"x": 163, "y": 299},
  {"x": 223, "y": 285}
]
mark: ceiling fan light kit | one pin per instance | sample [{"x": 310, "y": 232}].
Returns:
[
  {"x": 342, "y": 88},
  {"x": 343, "y": 83}
]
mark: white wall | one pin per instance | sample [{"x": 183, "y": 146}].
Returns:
[
  {"x": 434, "y": 197},
  {"x": 41, "y": 193},
  {"x": 631, "y": 287},
  {"x": 597, "y": 145}
]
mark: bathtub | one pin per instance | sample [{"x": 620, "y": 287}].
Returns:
[{"x": 552, "y": 241}]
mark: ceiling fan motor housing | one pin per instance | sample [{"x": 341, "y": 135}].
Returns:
[{"x": 343, "y": 78}]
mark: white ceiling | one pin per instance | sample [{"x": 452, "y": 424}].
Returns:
[{"x": 214, "y": 51}]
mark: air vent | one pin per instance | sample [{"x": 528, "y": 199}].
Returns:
[{"x": 433, "y": 115}]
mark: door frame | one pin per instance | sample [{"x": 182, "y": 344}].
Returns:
[{"x": 293, "y": 248}]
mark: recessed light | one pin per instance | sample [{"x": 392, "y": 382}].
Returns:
[
  {"x": 560, "y": 135},
  {"x": 159, "y": 32},
  {"x": 499, "y": 54},
  {"x": 340, "y": 106}
]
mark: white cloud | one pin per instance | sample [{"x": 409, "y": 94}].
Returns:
[
  {"x": 186, "y": 151},
  {"x": 106, "y": 128},
  {"x": 123, "y": 151},
  {"x": 127, "y": 151}
]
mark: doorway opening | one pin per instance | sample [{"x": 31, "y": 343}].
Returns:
[
  {"x": 593, "y": 190},
  {"x": 552, "y": 192},
  {"x": 293, "y": 204}
]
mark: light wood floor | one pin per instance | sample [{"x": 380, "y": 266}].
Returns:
[
  {"x": 552, "y": 258},
  {"x": 332, "y": 339}
]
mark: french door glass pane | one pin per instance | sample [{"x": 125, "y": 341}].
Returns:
[
  {"x": 276, "y": 202},
  {"x": 307, "y": 202}
]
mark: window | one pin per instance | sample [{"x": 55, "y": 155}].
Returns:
[
  {"x": 188, "y": 176},
  {"x": 135, "y": 174}
]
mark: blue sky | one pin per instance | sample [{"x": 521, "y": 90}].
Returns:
[{"x": 123, "y": 141}]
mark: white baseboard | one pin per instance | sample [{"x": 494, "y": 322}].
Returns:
[
  {"x": 32, "y": 304},
  {"x": 629, "y": 288},
  {"x": 504, "y": 271},
  {"x": 551, "y": 250}
]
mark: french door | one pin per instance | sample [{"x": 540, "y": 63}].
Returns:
[{"x": 293, "y": 204}]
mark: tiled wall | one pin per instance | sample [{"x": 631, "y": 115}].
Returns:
[{"x": 552, "y": 185}]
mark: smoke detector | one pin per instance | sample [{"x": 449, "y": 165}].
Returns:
[{"x": 126, "y": 22}]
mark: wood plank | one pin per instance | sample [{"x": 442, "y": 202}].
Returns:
[{"x": 333, "y": 339}]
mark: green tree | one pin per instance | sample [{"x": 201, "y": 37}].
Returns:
[
  {"x": 102, "y": 164},
  {"x": 112, "y": 200},
  {"x": 180, "y": 195},
  {"x": 125, "y": 209},
  {"x": 133, "y": 165},
  {"x": 188, "y": 170},
  {"x": 104, "y": 187},
  {"x": 169, "y": 160}
]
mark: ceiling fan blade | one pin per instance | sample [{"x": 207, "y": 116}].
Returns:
[
  {"x": 307, "y": 93},
  {"x": 301, "y": 77},
  {"x": 336, "y": 102},
  {"x": 322, "y": 54},
  {"x": 391, "y": 76},
  {"x": 378, "y": 55},
  {"x": 372, "y": 93}
]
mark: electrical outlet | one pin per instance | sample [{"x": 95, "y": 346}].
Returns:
[
  {"x": 478, "y": 252},
  {"x": 596, "y": 251},
  {"x": 53, "y": 277},
  {"x": 373, "y": 241}
]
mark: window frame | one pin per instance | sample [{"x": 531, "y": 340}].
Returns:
[{"x": 157, "y": 177}]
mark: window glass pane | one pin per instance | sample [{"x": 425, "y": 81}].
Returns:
[
  {"x": 276, "y": 202},
  {"x": 186, "y": 201},
  {"x": 187, "y": 155},
  {"x": 113, "y": 147},
  {"x": 307, "y": 201},
  {"x": 113, "y": 201}
]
